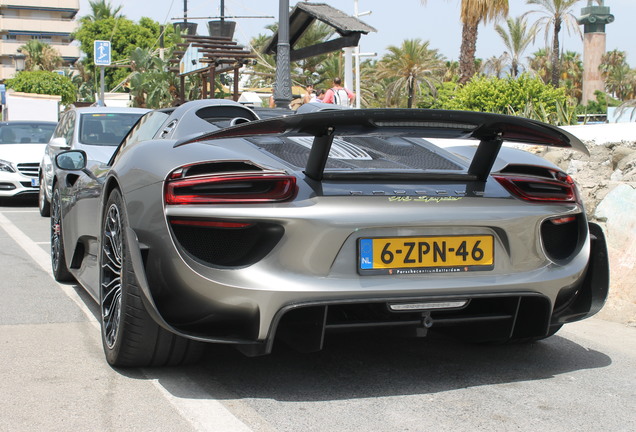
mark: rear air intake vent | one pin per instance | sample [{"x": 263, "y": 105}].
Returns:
[
  {"x": 225, "y": 243},
  {"x": 528, "y": 170},
  {"x": 218, "y": 167},
  {"x": 563, "y": 236}
]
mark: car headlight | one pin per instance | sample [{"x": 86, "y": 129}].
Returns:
[{"x": 6, "y": 166}]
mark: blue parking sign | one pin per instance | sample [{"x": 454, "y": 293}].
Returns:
[{"x": 101, "y": 53}]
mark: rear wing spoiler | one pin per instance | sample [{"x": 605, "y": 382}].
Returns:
[{"x": 491, "y": 130}]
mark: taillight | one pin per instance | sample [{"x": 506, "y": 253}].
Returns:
[
  {"x": 560, "y": 188},
  {"x": 229, "y": 189}
]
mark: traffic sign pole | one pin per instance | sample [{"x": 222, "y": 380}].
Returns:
[
  {"x": 101, "y": 86},
  {"x": 102, "y": 58}
]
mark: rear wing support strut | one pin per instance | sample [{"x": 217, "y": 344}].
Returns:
[
  {"x": 318, "y": 155},
  {"x": 485, "y": 157}
]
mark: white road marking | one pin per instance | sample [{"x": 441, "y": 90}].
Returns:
[
  {"x": 202, "y": 412},
  {"x": 43, "y": 259},
  {"x": 19, "y": 211}
]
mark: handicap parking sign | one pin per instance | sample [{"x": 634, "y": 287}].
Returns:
[{"x": 102, "y": 53}]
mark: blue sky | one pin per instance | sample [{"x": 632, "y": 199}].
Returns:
[{"x": 437, "y": 21}]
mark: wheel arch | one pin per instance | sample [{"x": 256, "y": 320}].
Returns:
[{"x": 111, "y": 183}]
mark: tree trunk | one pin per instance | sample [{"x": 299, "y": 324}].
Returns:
[
  {"x": 556, "y": 69},
  {"x": 467, "y": 52},
  {"x": 411, "y": 92}
]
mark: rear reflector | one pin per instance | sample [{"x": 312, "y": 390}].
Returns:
[
  {"x": 209, "y": 224},
  {"x": 408, "y": 307},
  {"x": 563, "y": 220}
]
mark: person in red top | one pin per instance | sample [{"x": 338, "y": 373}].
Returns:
[{"x": 339, "y": 95}]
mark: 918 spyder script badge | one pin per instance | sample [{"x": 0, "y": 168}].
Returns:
[{"x": 423, "y": 199}]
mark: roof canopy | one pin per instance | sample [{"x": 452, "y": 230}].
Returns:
[{"x": 304, "y": 14}]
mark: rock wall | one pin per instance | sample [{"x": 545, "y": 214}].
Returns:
[{"x": 607, "y": 182}]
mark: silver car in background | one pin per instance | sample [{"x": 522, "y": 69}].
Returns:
[{"x": 96, "y": 130}]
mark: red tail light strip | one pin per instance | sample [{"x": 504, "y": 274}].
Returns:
[
  {"x": 534, "y": 189},
  {"x": 241, "y": 189}
]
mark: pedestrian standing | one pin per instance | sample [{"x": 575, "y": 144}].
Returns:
[{"x": 339, "y": 95}]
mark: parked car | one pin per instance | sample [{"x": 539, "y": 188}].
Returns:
[
  {"x": 22, "y": 145},
  {"x": 210, "y": 225},
  {"x": 97, "y": 131}
]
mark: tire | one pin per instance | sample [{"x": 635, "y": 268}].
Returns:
[
  {"x": 43, "y": 204},
  {"x": 58, "y": 257},
  {"x": 130, "y": 337}
]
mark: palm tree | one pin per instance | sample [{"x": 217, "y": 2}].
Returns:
[
  {"x": 516, "y": 38},
  {"x": 495, "y": 65},
  {"x": 41, "y": 56},
  {"x": 540, "y": 64},
  {"x": 83, "y": 80},
  {"x": 626, "y": 106},
  {"x": 410, "y": 66},
  {"x": 317, "y": 33},
  {"x": 472, "y": 13},
  {"x": 451, "y": 72},
  {"x": 556, "y": 13},
  {"x": 151, "y": 85},
  {"x": 302, "y": 70},
  {"x": 102, "y": 9},
  {"x": 572, "y": 74},
  {"x": 620, "y": 79},
  {"x": 373, "y": 90},
  {"x": 330, "y": 68}
]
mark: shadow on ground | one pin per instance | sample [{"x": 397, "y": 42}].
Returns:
[
  {"x": 20, "y": 201},
  {"x": 362, "y": 367}
]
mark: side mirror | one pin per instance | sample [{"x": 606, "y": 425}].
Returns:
[
  {"x": 59, "y": 143},
  {"x": 73, "y": 160}
]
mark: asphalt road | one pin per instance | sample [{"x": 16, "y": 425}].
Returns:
[{"x": 53, "y": 376}]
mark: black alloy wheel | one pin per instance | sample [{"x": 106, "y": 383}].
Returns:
[
  {"x": 110, "y": 281},
  {"x": 130, "y": 337}
]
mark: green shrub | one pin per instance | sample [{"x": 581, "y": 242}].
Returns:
[
  {"x": 44, "y": 82},
  {"x": 524, "y": 96}
]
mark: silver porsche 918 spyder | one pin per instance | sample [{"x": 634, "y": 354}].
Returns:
[{"x": 214, "y": 222}]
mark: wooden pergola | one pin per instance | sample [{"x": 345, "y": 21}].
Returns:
[
  {"x": 220, "y": 53},
  {"x": 349, "y": 29}
]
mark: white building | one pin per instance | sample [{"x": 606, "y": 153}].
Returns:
[{"x": 51, "y": 21}]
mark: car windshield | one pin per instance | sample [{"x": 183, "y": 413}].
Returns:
[
  {"x": 25, "y": 133},
  {"x": 106, "y": 129}
]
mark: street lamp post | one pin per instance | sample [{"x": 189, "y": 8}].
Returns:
[
  {"x": 282, "y": 86},
  {"x": 357, "y": 55}
]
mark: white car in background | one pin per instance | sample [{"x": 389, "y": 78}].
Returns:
[
  {"x": 22, "y": 145},
  {"x": 96, "y": 130}
]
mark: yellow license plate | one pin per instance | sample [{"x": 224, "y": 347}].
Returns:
[{"x": 429, "y": 254}]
